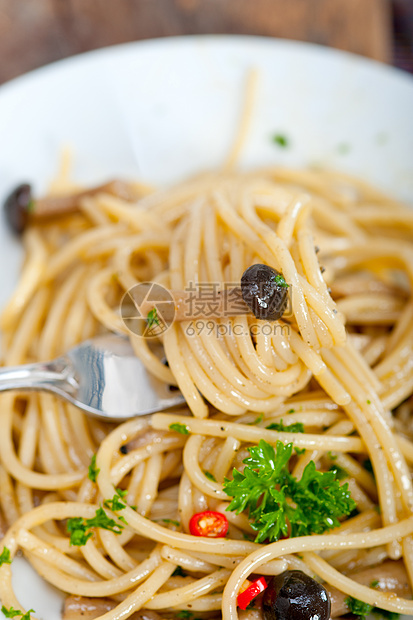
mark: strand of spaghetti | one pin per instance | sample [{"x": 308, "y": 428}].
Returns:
[
  {"x": 7, "y": 497},
  {"x": 32, "y": 274},
  {"x": 294, "y": 213},
  {"x": 159, "y": 443},
  {"x": 29, "y": 542},
  {"x": 384, "y": 434},
  {"x": 92, "y": 211},
  {"x": 363, "y": 540},
  {"x": 223, "y": 399},
  {"x": 281, "y": 258},
  {"x": 246, "y": 119},
  {"x": 208, "y": 347},
  {"x": 185, "y": 383},
  {"x": 24, "y": 474},
  {"x": 243, "y": 432},
  {"x": 194, "y": 471},
  {"x": 217, "y": 388},
  {"x": 114, "y": 550},
  {"x": 98, "y": 562},
  {"x": 150, "y": 360},
  {"x": 186, "y": 594},
  {"x": 29, "y": 325},
  {"x": 76, "y": 247},
  {"x": 149, "y": 487},
  {"x": 376, "y": 598},
  {"x": 139, "y": 596},
  {"x": 384, "y": 478},
  {"x": 144, "y": 526},
  {"x": 122, "y": 211},
  {"x": 98, "y": 305},
  {"x": 401, "y": 329}
]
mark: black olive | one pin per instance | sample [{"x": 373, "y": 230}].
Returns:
[
  {"x": 17, "y": 207},
  {"x": 265, "y": 291},
  {"x": 293, "y": 595}
]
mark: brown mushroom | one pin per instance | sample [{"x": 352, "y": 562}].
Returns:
[
  {"x": 390, "y": 576},
  {"x": 21, "y": 209},
  {"x": 83, "y": 608}
]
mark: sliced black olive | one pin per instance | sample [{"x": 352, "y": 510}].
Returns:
[
  {"x": 265, "y": 291},
  {"x": 293, "y": 595},
  {"x": 17, "y": 207}
]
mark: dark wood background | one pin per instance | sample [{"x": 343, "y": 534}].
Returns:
[{"x": 36, "y": 32}]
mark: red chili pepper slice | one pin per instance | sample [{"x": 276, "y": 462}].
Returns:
[
  {"x": 246, "y": 596},
  {"x": 209, "y": 523}
]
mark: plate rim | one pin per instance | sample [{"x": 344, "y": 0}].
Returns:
[{"x": 209, "y": 39}]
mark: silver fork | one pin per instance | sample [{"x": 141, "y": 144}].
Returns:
[{"x": 102, "y": 376}]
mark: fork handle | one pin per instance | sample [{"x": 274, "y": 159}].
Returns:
[{"x": 51, "y": 376}]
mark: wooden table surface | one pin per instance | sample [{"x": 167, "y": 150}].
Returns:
[{"x": 36, "y": 32}]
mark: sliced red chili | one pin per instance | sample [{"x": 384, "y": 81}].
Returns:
[
  {"x": 254, "y": 589},
  {"x": 209, "y": 523}
]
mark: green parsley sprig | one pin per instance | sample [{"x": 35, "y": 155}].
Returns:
[
  {"x": 179, "y": 428},
  {"x": 280, "y": 139},
  {"x": 280, "y": 505},
  {"x": 152, "y": 318},
  {"x": 93, "y": 470},
  {"x": 280, "y": 281},
  {"x": 296, "y": 427},
  {"x": 80, "y": 529},
  {"x": 116, "y": 502},
  {"x": 361, "y": 609},
  {"x": 5, "y": 556},
  {"x": 12, "y": 613},
  {"x": 209, "y": 475}
]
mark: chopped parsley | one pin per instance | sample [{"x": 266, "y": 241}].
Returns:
[
  {"x": 340, "y": 472},
  {"x": 184, "y": 613},
  {"x": 5, "y": 556},
  {"x": 280, "y": 140},
  {"x": 257, "y": 420},
  {"x": 360, "y": 609},
  {"x": 299, "y": 451},
  {"x": 12, "y": 613},
  {"x": 116, "y": 502},
  {"x": 152, "y": 318},
  {"x": 277, "y": 503},
  {"x": 374, "y": 583},
  {"x": 93, "y": 470},
  {"x": 280, "y": 281},
  {"x": 297, "y": 427},
  {"x": 291, "y": 411},
  {"x": 344, "y": 148},
  {"x": 178, "y": 572},
  {"x": 210, "y": 476},
  {"x": 179, "y": 428},
  {"x": 80, "y": 529},
  {"x": 171, "y": 521},
  {"x": 368, "y": 402}
]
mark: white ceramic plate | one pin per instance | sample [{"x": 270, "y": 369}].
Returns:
[{"x": 160, "y": 110}]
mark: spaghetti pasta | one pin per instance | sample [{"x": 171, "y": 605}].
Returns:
[{"x": 337, "y": 365}]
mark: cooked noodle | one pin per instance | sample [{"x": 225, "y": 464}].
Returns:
[{"x": 341, "y": 361}]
